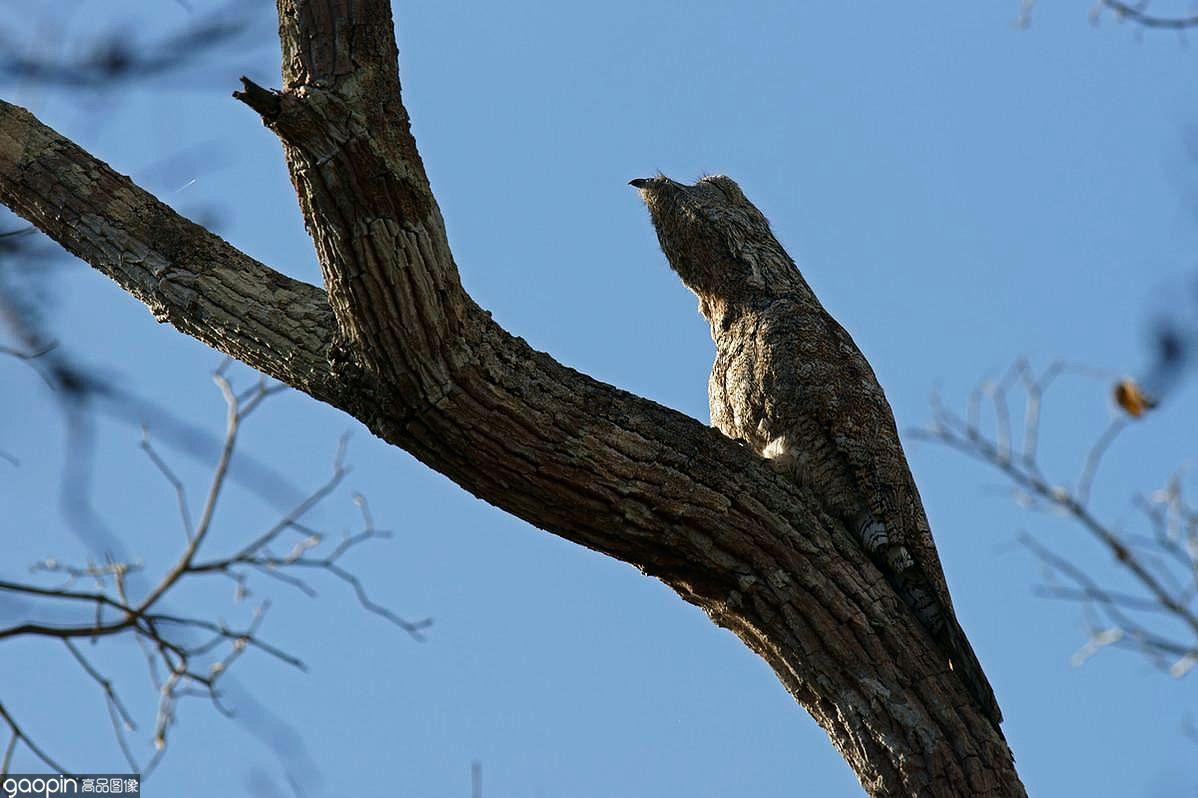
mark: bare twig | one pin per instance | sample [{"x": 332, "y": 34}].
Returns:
[
  {"x": 19, "y": 736},
  {"x": 169, "y": 475},
  {"x": 1138, "y": 14},
  {"x": 181, "y": 667},
  {"x": 1094, "y": 458},
  {"x": 112, "y": 59},
  {"x": 1157, "y": 618}
]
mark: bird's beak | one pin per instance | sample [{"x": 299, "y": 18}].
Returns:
[{"x": 640, "y": 182}]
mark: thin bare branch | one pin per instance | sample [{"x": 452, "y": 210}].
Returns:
[
  {"x": 1138, "y": 13},
  {"x": 1163, "y": 570},
  {"x": 18, "y": 734},
  {"x": 105, "y": 684},
  {"x": 189, "y": 667},
  {"x": 1094, "y": 458},
  {"x": 175, "y": 482},
  {"x": 112, "y": 59}
]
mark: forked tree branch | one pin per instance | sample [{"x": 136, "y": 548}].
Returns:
[{"x": 398, "y": 344}]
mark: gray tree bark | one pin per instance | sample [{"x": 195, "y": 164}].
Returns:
[{"x": 395, "y": 342}]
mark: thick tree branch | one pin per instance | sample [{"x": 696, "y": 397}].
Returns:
[
  {"x": 426, "y": 369},
  {"x": 184, "y": 274}
]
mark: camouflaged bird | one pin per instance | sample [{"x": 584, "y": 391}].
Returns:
[{"x": 789, "y": 382}]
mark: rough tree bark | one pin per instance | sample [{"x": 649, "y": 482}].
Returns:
[{"x": 399, "y": 345}]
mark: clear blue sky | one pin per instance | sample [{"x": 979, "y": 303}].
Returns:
[{"x": 958, "y": 192}]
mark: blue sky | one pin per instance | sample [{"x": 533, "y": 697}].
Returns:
[{"x": 958, "y": 192}]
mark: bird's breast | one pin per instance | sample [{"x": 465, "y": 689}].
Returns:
[{"x": 735, "y": 390}]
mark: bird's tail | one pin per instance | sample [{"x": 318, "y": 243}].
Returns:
[
  {"x": 965, "y": 664},
  {"x": 933, "y": 609}
]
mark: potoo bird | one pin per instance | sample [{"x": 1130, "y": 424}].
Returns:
[{"x": 790, "y": 383}]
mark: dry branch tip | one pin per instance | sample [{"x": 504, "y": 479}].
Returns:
[{"x": 265, "y": 101}]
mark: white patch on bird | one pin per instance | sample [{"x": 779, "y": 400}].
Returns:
[
  {"x": 778, "y": 449},
  {"x": 781, "y": 457}
]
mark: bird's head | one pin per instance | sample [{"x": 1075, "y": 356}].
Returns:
[{"x": 715, "y": 239}]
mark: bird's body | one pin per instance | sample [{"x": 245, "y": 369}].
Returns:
[{"x": 790, "y": 383}]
